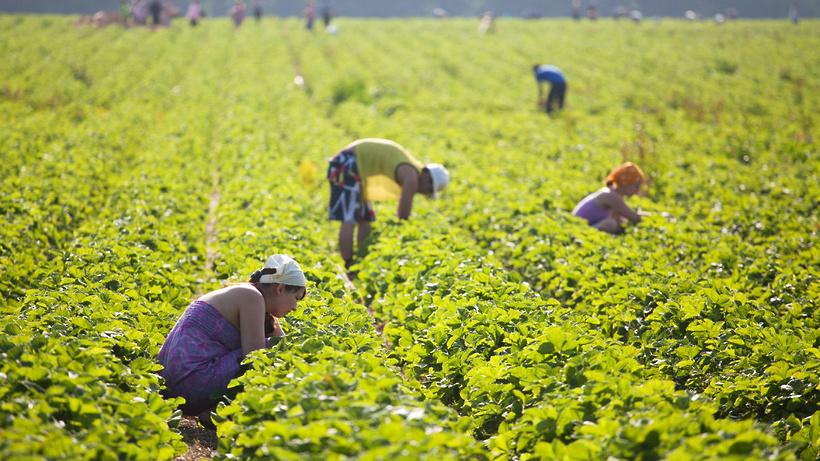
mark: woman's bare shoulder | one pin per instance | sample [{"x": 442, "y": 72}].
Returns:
[
  {"x": 237, "y": 295},
  {"x": 607, "y": 196}
]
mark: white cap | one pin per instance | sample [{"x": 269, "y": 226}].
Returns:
[
  {"x": 439, "y": 175},
  {"x": 287, "y": 272}
]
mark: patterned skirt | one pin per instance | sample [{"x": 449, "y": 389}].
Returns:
[{"x": 346, "y": 203}]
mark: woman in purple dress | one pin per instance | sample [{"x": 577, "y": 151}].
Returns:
[
  {"x": 204, "y": 350},
  {"x": 605, "y": 209}
]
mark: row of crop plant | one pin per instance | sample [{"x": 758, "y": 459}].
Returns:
[
  {"x": 533, "y": 376},
  {"x": 327, "y": 389},
  {"x": 708, "y": 317},
  {"x": 107, "y": 220}
]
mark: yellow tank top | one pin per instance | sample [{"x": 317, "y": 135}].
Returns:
[{"x": 377, "y": 160}]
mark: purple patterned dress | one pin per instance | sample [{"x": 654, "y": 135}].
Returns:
[
  {"x": 201, "y": 355},
  {"x": 590, "y": 210}
]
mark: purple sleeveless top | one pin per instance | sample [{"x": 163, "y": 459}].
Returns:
[
  {"x": 590, "y": 210},
  {"x": 201, "y": 355}
]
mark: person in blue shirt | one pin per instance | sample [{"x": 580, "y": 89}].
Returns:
[{"x": 558, "y": 86}]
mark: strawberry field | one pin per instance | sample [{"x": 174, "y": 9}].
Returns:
[{"x": 141, "y": 168}]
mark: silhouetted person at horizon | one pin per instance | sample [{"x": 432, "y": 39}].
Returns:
[
  {"x": 194, "y": 12},
  {"x": 575, "y": 5},
  {"x": 310, "y": 14},
  {"x": 257, "y": 10},
  {"x": 487, "y": 23},
  {"x": 238, "y": 13},
  {"x": 155, "y": 9},
  {"x": 327, "y": 12}
]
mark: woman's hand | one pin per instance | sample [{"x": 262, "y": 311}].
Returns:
[{"x": 277, "y": 328}]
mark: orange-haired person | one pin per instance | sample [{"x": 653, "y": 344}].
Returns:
[{"x": 605, "y": 208}]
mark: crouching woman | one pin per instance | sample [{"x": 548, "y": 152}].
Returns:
[
  {"x": 204, "y": 350},
  {"x": 606, "y": 209}
]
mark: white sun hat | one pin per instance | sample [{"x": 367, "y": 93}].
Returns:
[
  {"x": 287, "y": 272},
  {"x": 440, "y": 176}
]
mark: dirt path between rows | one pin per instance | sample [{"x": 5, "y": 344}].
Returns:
[
  {"x": 299, "y": 78},
  {"x": 202, "y": 442},
  {"x": 301, "y": 82},
  {"x": 210, "y": 224}
]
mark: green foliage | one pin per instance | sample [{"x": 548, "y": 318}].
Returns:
[
  {"x": 349, "y": 90},
  {"x": 143, "y": 167}
]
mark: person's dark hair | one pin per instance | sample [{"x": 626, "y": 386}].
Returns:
[
  {"x": 257, "y": 274},
  {"x": 535, "y": 67}
]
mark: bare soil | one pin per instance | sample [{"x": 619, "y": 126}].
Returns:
[{"x": 201, "y": 442}]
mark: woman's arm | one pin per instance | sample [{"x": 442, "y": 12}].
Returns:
[
  {"x": 408, "y": 178},
  {"x": 619, "y": 208},
  {"x": 252, "y": 313}
]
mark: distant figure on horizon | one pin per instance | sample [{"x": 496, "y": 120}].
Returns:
[
  {"x": 155, "y": 9},
  {"x": 605, "y": 209},
  {"x": 575, "y": 6},
  {"x": 139, "y": 12},
  {"x": 327, "y": 12},
  {"x": 374, "y": 169},
  {"x": 439, "y": 13},
  {"x": 592, "y": 12},
  {"x": 487, "y": 23},
  {"x": 794, "y": 15},
  {"x": 194, "y": 12},
  {"x": 558, "y": 86},
  {"x": 125, "y": 13},
  {"x": 101, "y": 19},
  {"x": 238, "y": 12},
  {"x": 169, "y": 11},
  {"x": 310, "y": 14},
  {"x": 257, "y": 10}
]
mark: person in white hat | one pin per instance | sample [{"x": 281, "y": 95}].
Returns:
[
  {"x": 204, "y": 350},
  {"x": 374, "y": 169}
]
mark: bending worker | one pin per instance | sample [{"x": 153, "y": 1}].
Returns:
[
  {"x": 558, "y": 86},
  {"x": 376, "y": 169}
]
